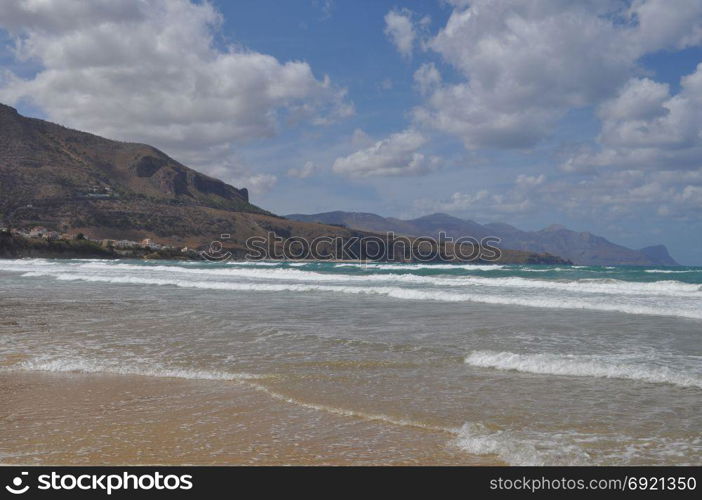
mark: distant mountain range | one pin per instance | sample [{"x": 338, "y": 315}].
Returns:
[
  {"x": 581, "y": 248},
  {"x": 74, "y": 182}
]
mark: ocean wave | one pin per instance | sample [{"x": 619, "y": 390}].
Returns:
[
  {"x": 668, "y": 288},
  {"x": 664, "y": 288},
  {"x": 477, "y": 439},
  {"x": 597, "y": 286},
  {"x": 525, "y": 446},
  {"x": 152, "y": 370},
  {"x": 579, "y": 366},
  {"x": 599, "y": 304},
  {"x": 81, "y": 365},
  {"x": 415, "y": 267},
  {"x": 669, "y": 271},
  {"x": 252, "y": 263}
]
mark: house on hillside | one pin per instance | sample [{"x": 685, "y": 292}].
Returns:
[{"x": 38, "y": 232}]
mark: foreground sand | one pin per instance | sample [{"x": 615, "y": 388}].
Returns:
[{"x": 59, "y": 419}]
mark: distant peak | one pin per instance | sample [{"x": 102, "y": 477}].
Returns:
[
  {"x": 555, "y": 227},
  {"x": 439, "y": 216},
  {"x": 659, "y": 254}
]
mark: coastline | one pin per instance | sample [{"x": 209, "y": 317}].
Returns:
[{"x": 17, "y": 246}]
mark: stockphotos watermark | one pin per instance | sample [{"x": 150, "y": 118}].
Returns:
[
  {"x": 104, "y": 483},
  {"x": 381, "y": 247}
]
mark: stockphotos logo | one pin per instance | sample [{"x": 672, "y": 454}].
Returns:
[
  {"x": 16, "y": 488},
  {"x": 107, "y": 483}
]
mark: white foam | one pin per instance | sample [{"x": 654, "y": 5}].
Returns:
[
  {"x": 591, "y": 286},
  {"x": 514, "y": 449},
  {"x": 152, "y": 370},
  {"x": 414, "y": 267},
  {"x": 595, "y": 286},
  {"x": 253, "y": 263},
  {"x": 669, "y": 271},
  {"x": 529, "y": 446},
  {"x": 579, "y": 366},
  {"x": 599, "y": 304}
]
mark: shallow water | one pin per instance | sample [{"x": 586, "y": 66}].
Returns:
[{"x": 521, "y": 364}]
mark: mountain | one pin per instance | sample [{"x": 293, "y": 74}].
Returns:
[
  {"x": 43, "y": 161},
  {"x": 430, "y": 225},
  {"x": 659, "y": 254},
  {"x": 581, "y": 248},
  {"x": 73, "y": 182}
]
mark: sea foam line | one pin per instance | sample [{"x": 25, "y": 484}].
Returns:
[
  {"x": 394, "y": 292},
  {"x": 578, "y": 366},
  {"x": 88, "y": 366},
  {"x": 665, "y": 288}
]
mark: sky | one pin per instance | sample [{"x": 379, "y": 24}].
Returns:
[{"x": 586, "y": 113}]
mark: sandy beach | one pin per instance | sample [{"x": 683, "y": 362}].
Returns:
[{"x": 62, "y": 419}]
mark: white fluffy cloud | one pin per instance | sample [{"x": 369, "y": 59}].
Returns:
[
  {"x": 399, "y": 28},
  {"x": 650, "y": 150},
  {"x": 527, "y": 63},
  {"x": 666, "y": 25},
  {"x": 396, "y": 155},
  {"x": 307, "y": 170},
  {"x": 153, "y": 71},
  {"x": 644, "y": 126},
  {"x": 427, "y": 78}
]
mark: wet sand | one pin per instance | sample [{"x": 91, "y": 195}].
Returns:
[{"x": 63, "y": 419}]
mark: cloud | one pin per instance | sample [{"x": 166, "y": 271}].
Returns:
[
  {"x": 526, "y": 64},
  {"x": 482, "y": 204},
  {"x": 237, "y": 172},
  {"x": 529, "y": 181},
  {"x": 260, "y": 183},
  {"x": 650, "y": 152},
  {"x": 427, "y": 78},
  {"x": 645, "y": 126},
  {"x": 396, "y": 155},
  {"x": 386, "y": 84},
  {"x": 361, "y": 139},
  {"x": 659, "y": 26},
  {"x": 399, "y": 28},
  {"x": 157, "y": 72},
  {"x": 307, "y": 170}
]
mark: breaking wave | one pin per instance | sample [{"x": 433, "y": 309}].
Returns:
[{"x": 579, "y": 366}]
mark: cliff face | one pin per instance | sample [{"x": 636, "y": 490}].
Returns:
[{"x": 42, "y": 161}]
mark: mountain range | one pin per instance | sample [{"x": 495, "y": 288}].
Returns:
[
  {"x": 581, "y": 248},
  {"x": 75, "y": 182},
  {"x": 68, "y": 180}
]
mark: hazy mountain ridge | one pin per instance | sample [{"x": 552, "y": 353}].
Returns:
[{"x": 581, "y": 248}]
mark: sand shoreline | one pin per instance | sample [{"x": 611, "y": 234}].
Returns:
[{"x": 96, "y": 419}]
